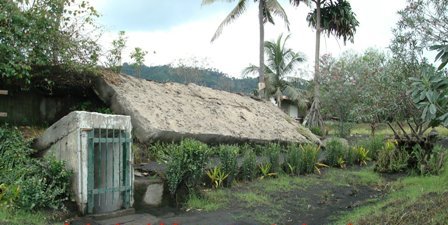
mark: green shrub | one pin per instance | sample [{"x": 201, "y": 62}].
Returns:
[
  {"x": 343, "y": 129},
  {"x": 272, "y": 153},
  {"x": 293, "y": 160},
  {"x": 228, "y": 156},
  {"x": 317, "y": 131},
  {"x": 351, "y": 156},
  {"x": 185, "y": 164},
  {"x": 335, "y": 151},
  {"x": 373, "y": 145},
  {"x": 249, "y": 167},
  {"x": 30, "y": 183},
  {"x": 310, "y": 157},
  {"x": 429, "y": 163},
  {"x": 391, "y": 159}
]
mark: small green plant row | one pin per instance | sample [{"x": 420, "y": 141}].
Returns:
[
  {"x": 338, "y": 155},
  {"x": 186, "y": 163}
]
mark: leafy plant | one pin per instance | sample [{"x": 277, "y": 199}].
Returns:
[
  {"x": 317, "y": 131},
  {"x": 391, "y": 158},
  {"x": 334, "y": 151},
  {"x": 217, "y": 176},
  {"x": 429, "y": 163},
  {"x": 272, "y": 152},
  {"x": 341, "y": 162},
  {"x": 351, "y": 156},
  {"x": 228, "y": 156},
  {"x": 186, "y": 163},
  {"x": 373, "y": 145},
  {"x": 362, "y": 155},
  {"x": 249, "y": 166},
  {"x": 293, "y": 159},
  {"x": 264, "y": 169},
  {"x": 310, "y": 156}
]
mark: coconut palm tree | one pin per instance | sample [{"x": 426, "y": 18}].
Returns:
[
  {"x": 281, "y": 61},
  {"x": 266, "y": 10},
  {"x": 332, "y": 17}
]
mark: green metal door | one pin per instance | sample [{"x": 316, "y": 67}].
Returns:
[{"x": 109, "y": 170}]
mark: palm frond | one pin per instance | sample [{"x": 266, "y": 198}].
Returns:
[
  {"x": 276, "y": 9},
  {"x": 297, "y": 95},
  {"x": 251, "y": 69},
  {"x": 233, "y": 15}
]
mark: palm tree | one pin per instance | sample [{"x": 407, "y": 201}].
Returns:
[
  {"x": 333, "y": 17},
  {"x": 266, "y": 10},
  {"x": 281, "y": 62}
]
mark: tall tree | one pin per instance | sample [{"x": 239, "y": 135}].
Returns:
[
  {"x": 138, "y": 55},
  {"x": 266, "y": 10},
  {"x": 281, "y": 61},
  {"x": 332, "y": 17}
]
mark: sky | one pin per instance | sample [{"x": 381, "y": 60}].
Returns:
[{"x": 180, "y": 31}]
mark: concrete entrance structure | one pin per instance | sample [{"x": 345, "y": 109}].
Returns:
[{"x": 97, "y": 148}]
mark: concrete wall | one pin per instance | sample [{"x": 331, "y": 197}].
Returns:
[{"x": 67, "y": 140}]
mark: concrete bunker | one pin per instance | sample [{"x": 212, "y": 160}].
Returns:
[{"x": 98, "y": 149}]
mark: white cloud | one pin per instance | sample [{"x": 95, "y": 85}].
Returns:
[{"x": 238, "y": 45}]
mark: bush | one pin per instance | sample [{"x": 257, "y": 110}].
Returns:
[
  {"x": 293, "y": 161},
  {"x": 335, "y": 152},
  {"x": 373, "y": 145},
  {"x": 429, "y": 163},
  {"x": 391, "y": 159},
  {"x": 272, "y": 153},
  {"x": 351, "y": 156},
  {"x": 186, "y": 163},
  {"x": 310, "y": 157},
  {"x": 228, "y": 156},
  {"x": 317, "y": 131},
  {"x": 249, "y": 166},
  {"x": 26, "y": 182}
]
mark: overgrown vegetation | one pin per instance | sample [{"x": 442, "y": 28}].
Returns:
[{"x": 27, "y": 183}]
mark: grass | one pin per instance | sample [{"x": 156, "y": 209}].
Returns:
[
  {"x": 211, "y": 200},
  {"x": 364, "y": 177},
  {"x": 282, "y": 183},
  {"x": 252, "y": 199},
  {"x": 411, "y": 200},
  {"x": 382, "y": 129},
  {"x": 19, "y": 217}
]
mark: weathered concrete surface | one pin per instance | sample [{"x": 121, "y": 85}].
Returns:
[
  {"x": 148, "y": 192},
  {"x": 66, "y": 140},
  {"x": 170, "y": 112}
]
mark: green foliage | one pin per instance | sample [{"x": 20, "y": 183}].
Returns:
[
  {"x": 391, "y": 158},
  {"x": 272, "y": 153},
  {"x": 249, "y": 166},
  {"x": 351, "y": 156},
  {"x": 442, "y": 54},
  {"x": 115, "y": 54},
  {"x": 228, "y": 157},
  {"x": 317, "y": 131},
  {"x": 201, "y": 76},
  {"x": 139, "y": 57},
  {"x": 335, "y": 151},
  {"x": 294, "y": 162},
  {"x": 430, "y": 93},
  {"x": 265, "y": 169},
  {"x": 337, "y": 18},
  {"x": 429, "y": 162},
  {"x": 186, "y": 163},
  {"x": 217, "y": 176},
  {"x": 45, "y": 33},
  {"x": 30, "y": 183},
  {"x": 373, "y": 145},
  {"x": 310, "y": 157}
]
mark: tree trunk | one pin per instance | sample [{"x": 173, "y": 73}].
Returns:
[
  {"x": 261, "y": 83},
  {"x": 373, "y": 126},
  {"x": 279, "y": 98},
  {"x": 314, "y": 119}
]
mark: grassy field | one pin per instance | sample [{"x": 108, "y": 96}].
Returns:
[
  {"x": 382, "y": 129},
  {"x": 411, "y": 200},
  {"x": 312, "y": 199}
]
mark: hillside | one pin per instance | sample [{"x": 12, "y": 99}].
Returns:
[{"x": 204, "y": 77}]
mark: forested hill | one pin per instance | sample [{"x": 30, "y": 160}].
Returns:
[{"x": 203, "y": 77}]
